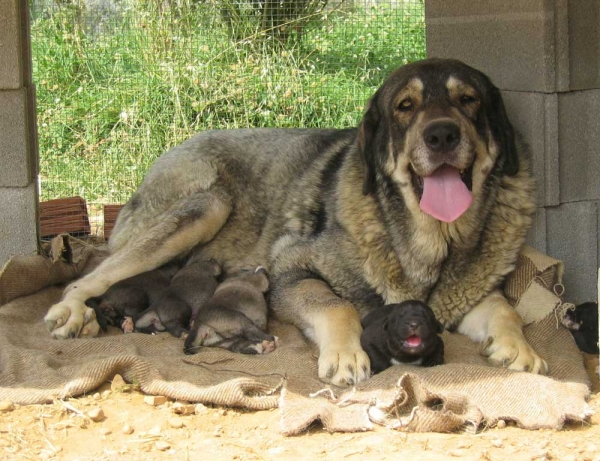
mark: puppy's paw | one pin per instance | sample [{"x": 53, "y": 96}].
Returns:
[
  {"x": 91, "y": 327},
  {"x": 67, "y": 319},
  {"x": 344, "y": 366},
  {"x": 513, "y": 352},
  {"x": 269, "y": 346},
  {"x": 127, "y": 325}
]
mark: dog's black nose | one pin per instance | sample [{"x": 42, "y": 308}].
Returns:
[
  {"x": 442, "y": 136},
  {"x": 414, "y": 325}
]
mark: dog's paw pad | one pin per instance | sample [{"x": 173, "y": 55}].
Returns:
[
  {"x": 345, "y": 366},
  {"x": 67, "y": 319},
  {"x": 514, "y": 353}
]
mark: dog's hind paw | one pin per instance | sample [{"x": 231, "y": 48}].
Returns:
[
  {"x": 344, "y": 366},
  {"x": 71, "y": 319},
  {"x": 513, "y": 352}
]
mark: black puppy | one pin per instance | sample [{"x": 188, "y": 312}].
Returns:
[
  {"x": 583, "y": 323},
  {"x": 235, "y": 318},
  {"x": 402, "y": 333},
  {"x": 127, "y": 298},
  {"x": 177, "y": 307}
]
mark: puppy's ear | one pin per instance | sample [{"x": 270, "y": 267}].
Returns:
[
  {"x": 214, "y": 268},
  {"x": 503, "y": 132},
  {"x": 438, "y": 325},
  {"x": 367, "y": 131},
  {"x": 261, "y": 281},
  {"x": 386, "y": 326}
]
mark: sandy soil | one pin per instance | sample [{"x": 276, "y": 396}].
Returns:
[{"x": 129, "y": 427}]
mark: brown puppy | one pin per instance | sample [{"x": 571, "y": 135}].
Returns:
[
  {"x": 177, "y": 307},
  {"x": 235, "y": 318},
  {"x": 402, "y": 333}
]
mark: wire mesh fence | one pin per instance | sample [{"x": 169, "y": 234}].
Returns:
[{"x": 121, "y": 81}]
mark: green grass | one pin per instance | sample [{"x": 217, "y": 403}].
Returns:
[{"x": 110, "y": 103}]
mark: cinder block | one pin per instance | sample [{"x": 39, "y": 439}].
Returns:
[
  {"x": 15, "y": 139},
  {"x": 537, "y": 234},
  {"x": 579, "y": 136},
  {"x": 572, "y": 233},
  {"x": 534, "y": 116},
  {"x": 584, "y": 44},
  {"x": 512, "y": 41},
  {"x": 18, "y": 221},
  {"x": 11, "y": 46}
]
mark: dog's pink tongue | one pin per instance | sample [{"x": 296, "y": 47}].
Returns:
[
  {"x": 413, "y": 341},
  {"x": 445, "y": 196}
]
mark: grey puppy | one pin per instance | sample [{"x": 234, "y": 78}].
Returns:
[
  {"x": 235, "y": 318},
  {"x": 177, "y": 307},
  {"x": 128, "y": 298}
]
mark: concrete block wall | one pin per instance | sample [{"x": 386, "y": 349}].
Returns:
[
  {"x": 18, "y": 135},
  {"x": 545, "y": 57}
]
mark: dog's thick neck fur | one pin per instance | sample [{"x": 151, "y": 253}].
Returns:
[{"x": 406, "y": 258}]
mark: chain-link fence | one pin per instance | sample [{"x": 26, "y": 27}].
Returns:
[{"x": 121, "y": 81}]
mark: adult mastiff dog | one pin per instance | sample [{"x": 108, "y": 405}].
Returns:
[{"x": 429, "y": 198}]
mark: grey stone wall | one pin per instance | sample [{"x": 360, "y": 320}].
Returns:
[
  {"x": 545, "y": 56},
  {"x": 18, "y": 136}
]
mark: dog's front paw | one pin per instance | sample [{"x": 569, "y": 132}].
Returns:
[
  {"x": 68, "y": 318},
  {"x": 513, "y": 352},
  {"x": 344, "y": 366}
]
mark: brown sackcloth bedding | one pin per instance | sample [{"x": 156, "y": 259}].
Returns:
[{"x": 464, "y": 393}]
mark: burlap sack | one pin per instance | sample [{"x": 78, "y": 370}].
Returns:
[{"x": 465, "y": 393}]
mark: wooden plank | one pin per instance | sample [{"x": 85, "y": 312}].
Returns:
[
  {"x": 64, "y": 215},
  {"x": 110, "y": 217}
]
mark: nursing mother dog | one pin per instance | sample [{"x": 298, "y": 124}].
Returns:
[{"x": 430, "y": 198}]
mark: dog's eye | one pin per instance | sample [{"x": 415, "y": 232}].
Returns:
[
  {"x": 405, "y": 106},
  {"x": 467, "y": 99}
]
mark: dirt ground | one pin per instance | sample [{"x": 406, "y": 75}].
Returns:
[{"x": 130, "y": 427}]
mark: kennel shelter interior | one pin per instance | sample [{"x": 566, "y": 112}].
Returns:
[
  {"x": 100, "y": 67},
  {"x": 542, "y": 60}
]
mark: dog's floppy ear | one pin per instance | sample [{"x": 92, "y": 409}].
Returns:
[
  {"x": 366, "y": 143},
  {"x": 503, "y": 132}
]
